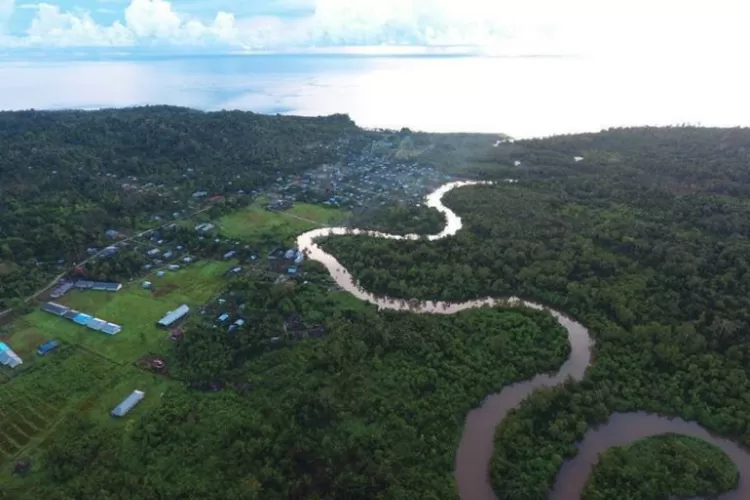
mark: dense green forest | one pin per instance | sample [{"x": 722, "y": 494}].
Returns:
[
  {"x": 373, "y": 408},
  {"x": 67, "y": 176},
  {"x": 660, "y": 466},
  {"x": 645, "y": 242}
]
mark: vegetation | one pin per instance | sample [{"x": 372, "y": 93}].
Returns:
[
  {"x": 657, "y": 467},
  {"x": 136, "y": 308},
  {"x": 374, "y": 407},
  {"x": 67, "y": 176},
  {"x": 255, "y": 223},
  {"x": 644, "y": 242}
]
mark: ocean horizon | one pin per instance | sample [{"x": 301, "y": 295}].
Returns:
[{"x": 521, "y": 96}]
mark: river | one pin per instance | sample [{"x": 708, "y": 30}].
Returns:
[{"x": 475, "y": 448}]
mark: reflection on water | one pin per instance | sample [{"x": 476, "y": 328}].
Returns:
[
  {"x": 475, "y": 448},
  {"x": 519, "y": 96}
]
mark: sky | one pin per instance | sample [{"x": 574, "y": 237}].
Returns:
[{"x": 504, "y": 27}]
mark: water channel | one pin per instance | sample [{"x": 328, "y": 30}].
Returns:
[{"x": 476, "y": 445}]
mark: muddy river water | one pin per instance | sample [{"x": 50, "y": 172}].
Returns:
[{"x": 476, "y": 445}]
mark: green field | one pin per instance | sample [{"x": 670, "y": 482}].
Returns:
[
  {"x": 70, "y": 382},
  {"x": 254, "y": 222},
  {"x": 92, "y": 372},
  {"x": 136, "y": 309}
]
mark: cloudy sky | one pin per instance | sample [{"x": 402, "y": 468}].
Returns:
[{"x": 686, "y": 27}]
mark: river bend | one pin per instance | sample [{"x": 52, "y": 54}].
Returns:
[{"x": 475, "y": 448}]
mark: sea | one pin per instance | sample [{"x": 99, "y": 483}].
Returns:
[{"x": 521, "y": 96}]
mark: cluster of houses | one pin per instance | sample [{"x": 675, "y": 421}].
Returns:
[
  {"x": 361, "y": 180},
  {"x": 82, "y": 319},
  {"x": 281, "y": 260},
  {"x": 238, "y": 323}
]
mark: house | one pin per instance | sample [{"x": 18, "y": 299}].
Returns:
[
  {"x": 160, "y": 274},
  {"x": 109, "y": 251},
  {"x": 292, "y": 270},
  {"x": 230, "y": 254},
  {"x": 48, "y": 347},
  {"x": 128, "y": 404},
  {"x": 299, "y": 258},
  {"x": 223, "y": 317},
  {"x": 82, "y": 319},
  {"x": 187, "y": 260},
  {"x": 111, "y": 329},
  {"x": 168, "y": 255},
  {"x": 54, "y": 308},
  {"x": 84, "y": 284},
  {"x": 106, "y": 286},
  {"x": 153, "y": 252},
  {"x": 290, "y": 254},
  {"x": 96, "y": 324},
  {"x": 200, "y": 194},
  {"x": 71, "y": 314},
  {"x": 8, "y": 357},
  {"x": 61, "y": 290},
  {"x": 147, "y": 284},
  {"x": 173, "y": 317},
  {"x": 173, "y": 267}
]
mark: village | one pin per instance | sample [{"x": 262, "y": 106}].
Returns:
[{"x": 136, "y": 293}]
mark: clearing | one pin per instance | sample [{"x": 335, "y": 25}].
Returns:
[
  {"x": 255, "y": 222},
  {"x": 133, "y": 307}
]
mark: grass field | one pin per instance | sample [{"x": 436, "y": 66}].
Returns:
[
  {"x": 69, "y": 382},
  {"x": 92, "y": 372},
  {"x": 254, "y": 222},
  {"x": 136, "y": 309}
]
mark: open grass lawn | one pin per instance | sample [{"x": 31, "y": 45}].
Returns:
[
  {"x": 136, "y": 309},
  {"x": 70, "y": 381},
  {"x": 254, "y": 222}
]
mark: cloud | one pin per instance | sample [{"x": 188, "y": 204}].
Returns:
[
  {"x": 516, "y": 26},
  {"x": 6, "y": 9}
]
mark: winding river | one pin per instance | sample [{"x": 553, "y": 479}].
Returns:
[{"x": 476, "y": 445}]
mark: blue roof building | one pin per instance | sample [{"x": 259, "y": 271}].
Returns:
[
  {"x": 128, "y": 404},
  {"x": 8, "y": 357},
  {"x": 47, "y": 347},
  {"x": 111, "y": 329},
  {"x": 83, "y": 319},
  {"x": 292, "y": 270},
  {"x": 173, "y": 317},
  {"x": 224, "y": 317},
  {"x": 54, "y": 308}
]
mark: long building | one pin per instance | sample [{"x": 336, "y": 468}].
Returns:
[
  {"x": 82, "y": 319},
  {"x": 8, "y": 357},
  {"x": 173, "y": 317},
  {"x": 128, "y": 403}
]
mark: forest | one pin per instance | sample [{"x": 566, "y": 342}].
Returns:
[
  {"x": 660, "y": 466},
  {"x": 647, "y": 246},
  {"x": 645, "y": 242},
  {"x": 372, "y": 408},
  {"x": 67, "y": 176}
]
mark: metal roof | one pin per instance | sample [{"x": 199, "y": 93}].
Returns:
[
  {"x": 175, "y": 315},
  {"x": 128, "y": 403}
]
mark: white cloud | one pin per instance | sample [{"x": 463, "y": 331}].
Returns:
[
  {"x": 519, "y": 26},
  {"x": 6, "y": 9}
]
